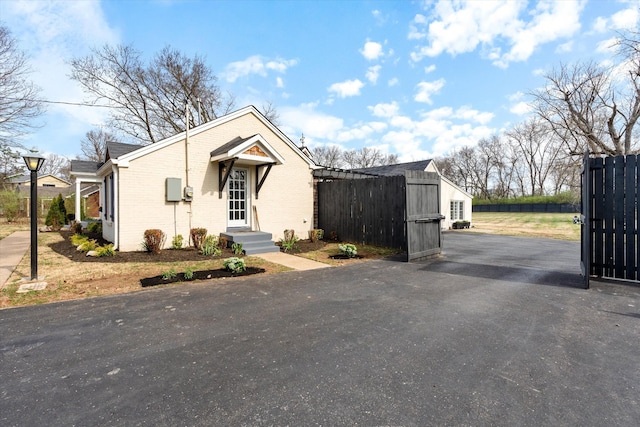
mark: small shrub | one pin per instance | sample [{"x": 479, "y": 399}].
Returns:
[
  {"x": 77, "y": 227},
  {"x": 210, "y": 246},
  {"x": 95, "y": 227},
  {"x": 10, "y": 204},
  {"x": 348, "y": 249},
  {"x": 57, "y": 214},
  {"x": 237, "y": 248},
  {"x": 290, "y": 241},
  {"x": 171, "y": 274},
  {"x": 78, "y": 239},
  {"x": 188, "y": 273},
  {"x": 106, "y": 250},
  {"x": 222, "y": 242},
  {"x": 197, "y": 236},
  {"x": 176, "y": 242},
  {"x": 316, "y": 234},
  {"x": 153, "y": 240},
  {"x": 87, "y": 246},
  {"x": 235, "y": 264}
]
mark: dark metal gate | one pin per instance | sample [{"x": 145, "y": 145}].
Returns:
[
  {"x": 398, "y": 211},
  {"x": 610, "y": 217}
]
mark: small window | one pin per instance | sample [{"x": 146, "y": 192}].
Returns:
[{"x": 457, "y": 210}]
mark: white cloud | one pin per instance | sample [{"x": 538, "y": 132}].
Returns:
[
  {"x": 496, "y": 26},
  {"x": 626, "y": 19},
  {"x": 430, "y": 69},
  {"x": 607, "y": 46},
  {"x": 385, "y": 110},
  {"x": 52, "y": 33},
  {"x": 347, "y": 88},
  {"x": 427, "y": 89},
  {"x": 521, "y": 108},
  {"x": 256, "y": 64},
  {"x": 279, "y": 82},
  {"x": 315, "y": 125},
  {"x": 565, "y": 47},
  {"x": 373, "y": 73},
  {"x": 371, "y": 50},
  {"x": 393, "y": 82}
]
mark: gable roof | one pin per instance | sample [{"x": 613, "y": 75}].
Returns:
[
  {"x": 144, "y": 150},
  {"x": 397, "y": 169},
  {"x": 117, "y": 149},
  {"x": 254, "y": 149},
  {"x": 19, "y": 179},
  {"x": 84, "y": 166}
]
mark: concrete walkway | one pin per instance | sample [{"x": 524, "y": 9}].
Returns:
[
  {"x": 292, "y": 261},
  {"x": 12, "y": 249}
]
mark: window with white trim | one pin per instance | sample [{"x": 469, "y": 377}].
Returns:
[{"x": 457, "y": 210}]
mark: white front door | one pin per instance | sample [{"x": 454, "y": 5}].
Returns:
[{"x": 238, "y": 198}]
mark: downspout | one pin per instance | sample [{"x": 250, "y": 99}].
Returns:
[
  {"x": 116, "y": 207},
  {"x": 186, "y": 162}
]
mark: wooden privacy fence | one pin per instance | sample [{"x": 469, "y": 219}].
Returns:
[
  {"x": 610, "y": 214},
  {"x": 397, "y": 211}
]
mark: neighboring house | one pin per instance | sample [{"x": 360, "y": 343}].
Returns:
[
  {"x": 455, "y": 203},
  {"x": 46, "y": 180},
  {"x": 235, "y": 173}
]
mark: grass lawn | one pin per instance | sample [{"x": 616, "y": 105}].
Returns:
[
  {"x": 549, "y": 225},
  {"x": 7, "y": 228}
]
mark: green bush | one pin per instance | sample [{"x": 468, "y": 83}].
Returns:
[
  {"x": 197, "y": 236},
  {"x": 188, "y": 273},
  {"x": 176, "y": 242},
  {"x": 10, "y": 204},
  {"x": 77, "y": 227},
  {"x": 237, "y": 248},
  {"x": 210, "y": 246},
  {"x": 171, "y": 274},
  {"x": 234, "y": 264},
  {"x": 153, "y": 240},
  {"x": 106, "y": 250},
  {"x": 78, "y": 239},
  {"x": 88, "y": 245},
  {"x": 289, "y": 241},
  {"x": 95, "y": 227},
  {"x": 565, "y": 197},
  {"x": 57, "y": 214},
  {"x": 348, "y": 249}
]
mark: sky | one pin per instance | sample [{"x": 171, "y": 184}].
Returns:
[{"x": 413, "y": 78}]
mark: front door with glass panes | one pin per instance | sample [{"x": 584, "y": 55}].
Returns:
[{"x": 238, "y": 196}]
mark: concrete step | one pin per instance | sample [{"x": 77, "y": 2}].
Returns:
[{"x": 253, "y": 242}]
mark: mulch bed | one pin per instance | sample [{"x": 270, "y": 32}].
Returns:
[
  {"x": 199, "y": 275},
  {"x": 68, "y": 250},
  {"x": 342, "y": 256}
]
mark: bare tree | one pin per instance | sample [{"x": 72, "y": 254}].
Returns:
[
  {"x": 10, "y": 163},
  {"x": 148, "y": 102},
  {"x": 56, "y": 165},
  {"x": 94, "y": 144},
  {"x": 539, "y": 148},
  {"x": 329, "y": 156},
  {"x": 19, "y": 104},
  {"x": 366, "y": 157},
  {"x": 271, "y": 113},
  {"x": 597, "y": 107}
]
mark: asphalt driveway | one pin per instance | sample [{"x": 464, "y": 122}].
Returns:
[{"x": 496, "y": 332}]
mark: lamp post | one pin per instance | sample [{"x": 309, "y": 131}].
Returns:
[{"x": 34, "y": 162}]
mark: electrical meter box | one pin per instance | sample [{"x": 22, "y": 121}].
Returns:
[
  {"x": 174, "y": 190},
  {"x": 188, "y": 194}
]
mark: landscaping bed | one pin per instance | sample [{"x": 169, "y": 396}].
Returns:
[{"x": 198, "y": 275}]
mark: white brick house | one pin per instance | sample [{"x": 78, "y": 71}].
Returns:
[{"x": 237, "y": 172}]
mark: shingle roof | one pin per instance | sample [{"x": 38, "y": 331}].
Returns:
[
  {"x": 19, "y": 179},
  {"x": 117, "y": 149},
  {"x": 85, "y": 166},
  {"x": 229, "y": 145},
  {"x": 397, "y": 169}
]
